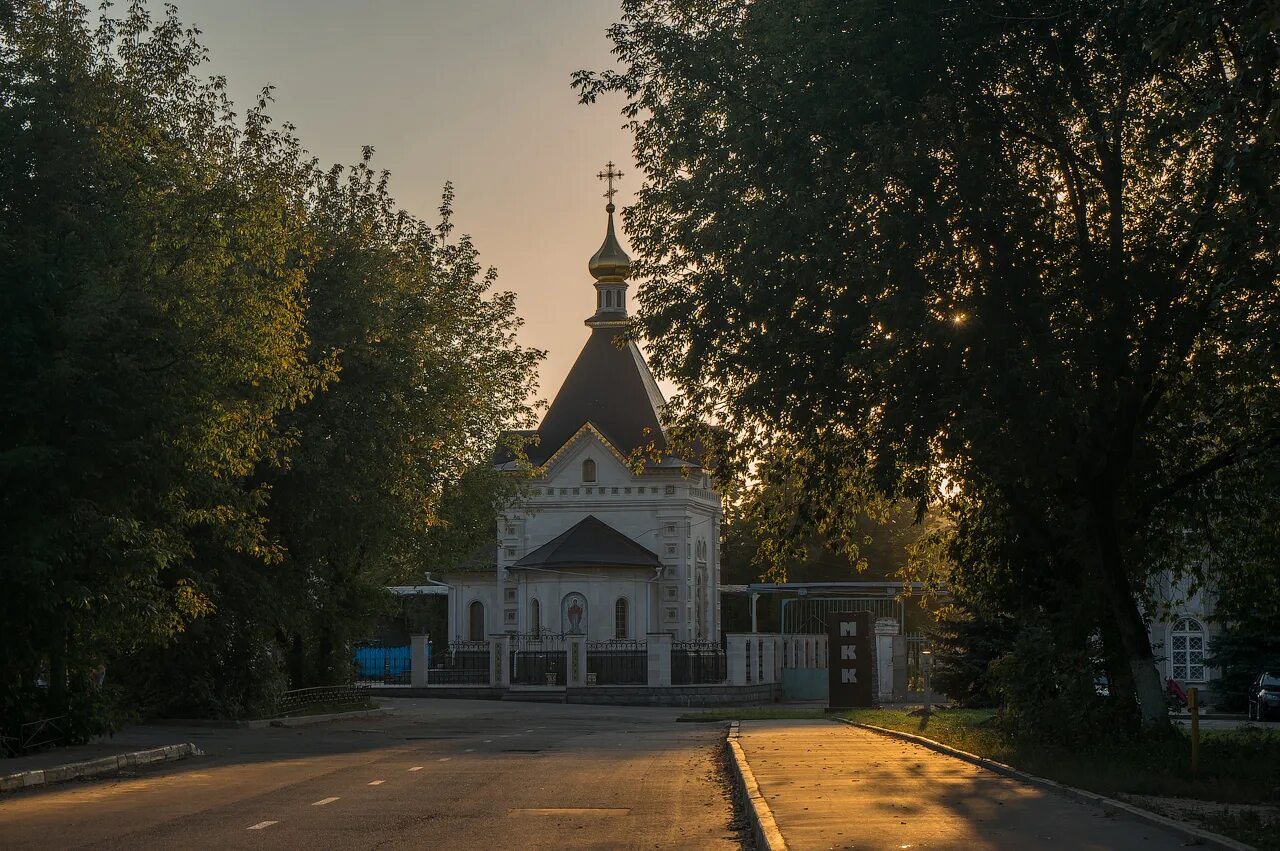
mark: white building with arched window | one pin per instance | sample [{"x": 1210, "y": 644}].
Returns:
[
  {"x": 1181, "y": 635},
  {"x": 619, "y": 534}
]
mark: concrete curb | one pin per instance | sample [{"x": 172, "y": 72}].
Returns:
[
  {"x": 263, "y": 723},
  {"x": 763, "y": 828},
  {"x": 1196, "y": 835},
  {"x": 94, "y": 767}
]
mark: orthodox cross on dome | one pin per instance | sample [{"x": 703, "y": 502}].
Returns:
[{"x": 609, "y": 175}]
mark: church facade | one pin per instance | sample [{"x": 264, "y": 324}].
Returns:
[{"x": 618, "y": 535}]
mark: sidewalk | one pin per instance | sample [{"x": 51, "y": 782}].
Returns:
[{"x": 834, "y": 786}]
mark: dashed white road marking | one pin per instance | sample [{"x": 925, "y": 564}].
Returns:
[
  {"x": 488, "y": 741},
  {"x": 376, "y": 782},
  {"x": 416, "y": 768},
  {"x": 323, "y": 801},
  {"x": 444, "y": 759},
  {"x": 262, "y": 825},
  {"x": 469, "y": 750}
]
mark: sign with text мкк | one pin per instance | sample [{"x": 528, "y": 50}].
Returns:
[{"x": 850, "y": 643}]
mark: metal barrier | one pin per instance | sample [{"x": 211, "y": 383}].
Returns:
[
  {"x": 34, "y": 736},
  {"x": 697, "y": 663},
  {"x": 378, "y": 662},
  {"x": 464, "y": 663},
  {"x": 338, "y": 697},
  {"x": 617, "y": 662},
  {"x": 916, "y": 642},
  {"x": 808, "y": 615},
  {"x": 538, "y": 659}
]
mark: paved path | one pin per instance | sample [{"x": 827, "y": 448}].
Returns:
[
  {"x": 830, "y": 785},
  {"x": 438, "y": 774}
]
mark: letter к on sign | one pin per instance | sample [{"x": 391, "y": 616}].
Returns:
[{"x": 851, "y": 647}]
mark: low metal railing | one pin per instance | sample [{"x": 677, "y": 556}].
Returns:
[
  {"x": 617, "y": 662},
  {"x": 301, "y": 700},
  {"x": 698, "y": 663}
]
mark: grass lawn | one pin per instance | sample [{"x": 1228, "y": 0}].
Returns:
[{"x": 1236, "y": 766}]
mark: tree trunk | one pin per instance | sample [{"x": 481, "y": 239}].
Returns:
[
  {"x": 1130, "y": 628},
  {"x": 1119, "y": 676}
]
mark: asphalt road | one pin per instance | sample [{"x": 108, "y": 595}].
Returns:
[{"x": 437, "y": 774}]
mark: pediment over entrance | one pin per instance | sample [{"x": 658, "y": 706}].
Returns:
[{"x": 590, "y": 543}]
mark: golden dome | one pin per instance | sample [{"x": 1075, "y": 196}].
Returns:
[{"x": 610, "y": 264}]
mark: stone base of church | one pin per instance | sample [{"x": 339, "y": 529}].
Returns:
[
  {"x": 720, "y": 694},
  {"x": 701, "y": 695}
]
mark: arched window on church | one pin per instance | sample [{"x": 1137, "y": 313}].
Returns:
[
  {"x": 1186, "y": 642},
  {"x": 535, "y": 617},
  {"x": 475, "y": 627},
  {"x": 589, "y": 470},
  {"x": 620, "y": 618}
]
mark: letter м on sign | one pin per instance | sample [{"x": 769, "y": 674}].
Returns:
[{"x": 848, "y": 629}]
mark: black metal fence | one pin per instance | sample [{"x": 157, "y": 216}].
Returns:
[
  {"x": 617, "y": 662},
  {"x": 462, "y": 663},
  {"x": 538, "y": 659},
  {"x": 339, "y": 698},
  {"x": 379, "y": 662},
  {"x": 697, "y": 662}
]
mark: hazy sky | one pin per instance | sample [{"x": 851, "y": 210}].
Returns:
[{"x": 473, "y": 91}]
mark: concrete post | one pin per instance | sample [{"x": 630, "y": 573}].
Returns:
[
  {"x": 899, "y": 666},
  {"x": 577, "y": 650},
  {"x": 419, "y": 660},
  {"x": 658, "y": 645},
  {"x": 768, "y": 657},
  {"x": 500, "y": 660},
  {"x": 736, "y": 658},
  {"x": 886, "y": 629}
]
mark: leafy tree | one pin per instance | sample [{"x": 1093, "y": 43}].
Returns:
[
  {"x": 991, "y": 257},
  {"x": 241, "y": 395},
  {"x": 151, "y": 325},
  {"x": 430, "y": 376}
]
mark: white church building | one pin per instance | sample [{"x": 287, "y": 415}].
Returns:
[{"x": 618, "y": 535}]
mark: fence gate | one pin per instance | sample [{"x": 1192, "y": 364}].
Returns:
[
  {"x": 538, "y": 659},
  {"x": 808, "y": 616}
]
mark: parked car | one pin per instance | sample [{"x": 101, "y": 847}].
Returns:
[{"x": 1264, "y": 698}]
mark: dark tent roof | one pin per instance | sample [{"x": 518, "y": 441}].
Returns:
[
  {"x": 611, "y": 388},
  {"x": 590, "y": 543}
]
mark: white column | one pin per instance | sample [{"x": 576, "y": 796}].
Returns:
[
  {"x": 768, "y": 659},
  {"x": 886, "y": 629},
  {"x": 736, "y": 657},
  {"x": 658, "y": 645},
  {"x": 418, "y": 661}
]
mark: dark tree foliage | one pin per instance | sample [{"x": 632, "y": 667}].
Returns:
[
  {"x": 1013, "y": 259},
  {"x": 240, "y": 393}
]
